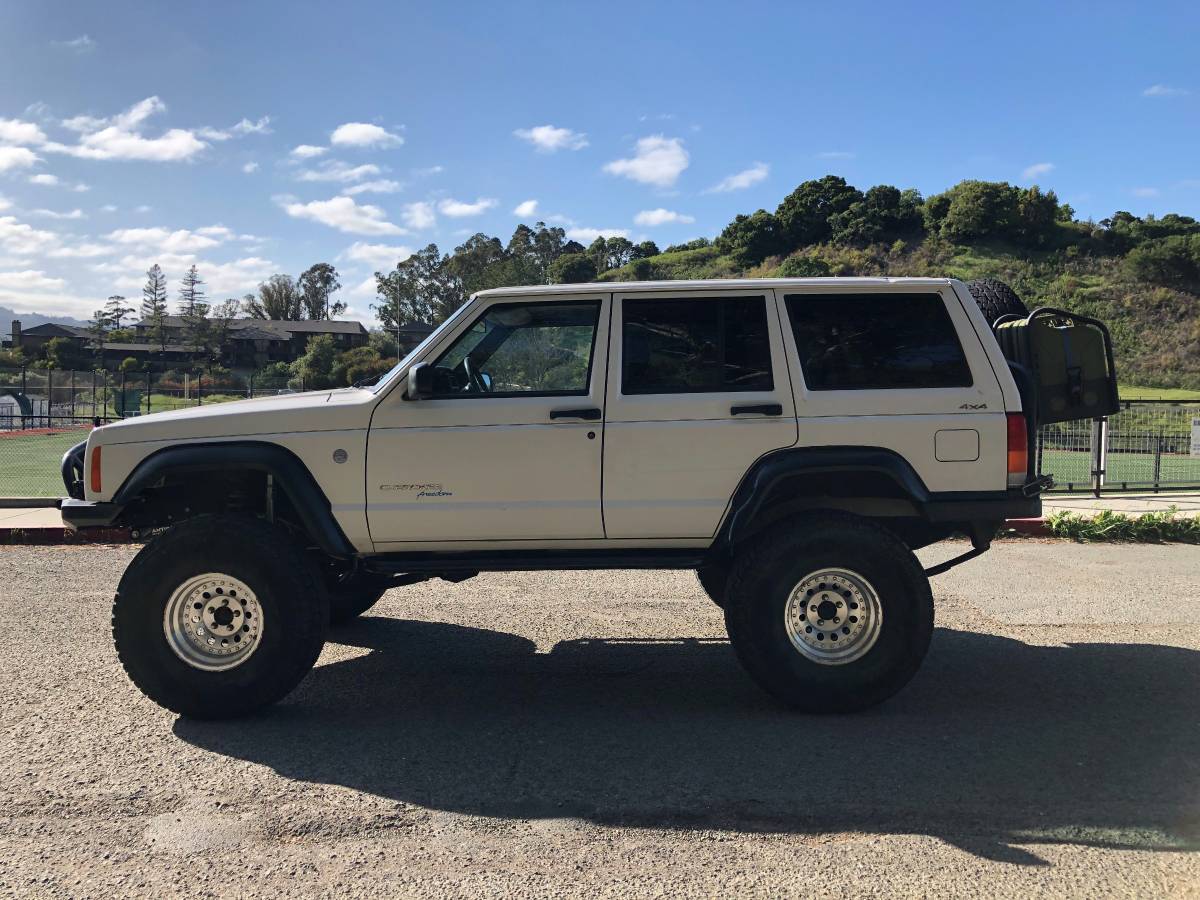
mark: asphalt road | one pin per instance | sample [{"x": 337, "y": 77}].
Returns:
[{"x": 591, "y": 733}]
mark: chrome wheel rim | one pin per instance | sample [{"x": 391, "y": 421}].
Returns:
[
  {"x": 833, "y": 616},
  {"x": 213, "y": 622}
]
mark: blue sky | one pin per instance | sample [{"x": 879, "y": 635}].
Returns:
[{"x": 139, "y": 132}]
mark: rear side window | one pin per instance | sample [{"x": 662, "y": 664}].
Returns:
[
  {"x": 695, "y": 346},
  {"x": 851, "y": 342}
]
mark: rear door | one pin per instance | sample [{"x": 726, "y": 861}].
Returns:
[{"x": 698, "y": 389}]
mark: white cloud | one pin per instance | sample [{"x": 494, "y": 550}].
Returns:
[
  {"x": 429, "y": 170},
  {"x": 120, "y": 138},
  {"x": 587, "y": 235},
  {"x": 419, "y": 216},
  {"x": 308, "y": 151},
  {"x": 458, "y": 209},
  {"x": 44, "y": 179},
  {"x": 835, "y": 154},
  {"x": 739, "y": 181},
  {"x": 1037, "y": 169},
  {"x": 383, "y": 186},
  {"x": 5, "y": 203},
  {"x": 651, "y": 217},
  {"x": 344, "y": 214},
  {"x": 29, "y": 280},
  {"x": 143, "y": 208},
  {"x": 51, "y": 214},
  {"x": 363, "y": 134},
  {"x": 14, "y": 131},
  {"x": 250, "y": 168},
  {"x": 109, "y": 208},
  {"x": 16, "y": 158},
  {"x": 548, "y": 138},
  {"x": 85, "y": 250},
  {"x": 658, "y": 161},
  {"x": 1145, "y": 192},
  {"x": 526, "y": 208},
  {"x": 181, "y": 240},
  {"x": 245, "y": 126},
  {"x": 24, "y": 240},
  {"x": 1164, "y": 90},
  {"x": 81, "y": 44},
  {"x": 81, "y": 188},
  {"x": 336, "y": 170},
  {"x": 382, "y": 256}
]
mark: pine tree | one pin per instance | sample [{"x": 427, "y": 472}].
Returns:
[
  {"x": 191, "y": 292},
  {"x": 154, "y": 304}
]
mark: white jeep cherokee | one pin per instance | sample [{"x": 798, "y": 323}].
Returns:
[{"x": 793, "y": 441}]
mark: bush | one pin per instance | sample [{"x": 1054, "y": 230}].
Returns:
[
  {"x": 131, "y": 364},
  {"x": 1106, "y": 525},
  {"x": 572, "y": 268},
  {"x": 803, "y": 265},
  {"x": 1171, "y": 261}
]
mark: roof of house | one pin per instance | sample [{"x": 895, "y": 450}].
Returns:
[
  {"x": 148, "y": 348},
  {"x": 282, "y": 329},
  {"x": 52, "y": 329}
]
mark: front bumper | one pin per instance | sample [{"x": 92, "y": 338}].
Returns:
[{"x": 77, "y": 514}]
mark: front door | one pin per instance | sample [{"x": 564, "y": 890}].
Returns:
[{"x": 509, "y": 447}]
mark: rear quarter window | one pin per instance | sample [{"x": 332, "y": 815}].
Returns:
[{"x": 876, "y": 341}]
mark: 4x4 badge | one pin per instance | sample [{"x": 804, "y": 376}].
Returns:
[{"x": 973, "y": 406}]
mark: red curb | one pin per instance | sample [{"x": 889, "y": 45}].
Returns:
[
  {"x": 1033, "y": 527},
  {"x": 43, "y": 536}
]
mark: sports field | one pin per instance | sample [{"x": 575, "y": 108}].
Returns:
[
  {"x": 1075, "y": 466},
  {"x": 29, "y": 460}
]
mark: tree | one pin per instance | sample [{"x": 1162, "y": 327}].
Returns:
[
  {"x": 425, "y": 288},
  {"x": 219, "y": 325},
  {"x": 316, "y": 285},
  {"x": 573, "y": 268},
  {"x": 191, "y": 291},
  {"x": 115, "y": 310},
  {"x": 645, "y": 250},
  {"x": 315, "y": 365},
  {"x": 154, "y": 304},
  {"x": 751, "y": 239},
  {"x": 278, "y": 298},
  {"x": 620, "y": 251},
  {"x": 597, "y": 252},
  {"x": 804, "y": 214},
  {"x": 883, "y": 215},
  {"x": 548, "y": 245},
  {"x": 64, "y": 353}
]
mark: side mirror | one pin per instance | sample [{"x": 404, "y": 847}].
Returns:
[{"x": 420, "y": 382}]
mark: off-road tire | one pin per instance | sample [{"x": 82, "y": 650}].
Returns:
[
  {"x": 995, "y": 299},
  {"x": 761, "y": 580},
  {"x": 294, "y": 610},
  {"x": 349, "y": 601},
  {"x": 714, "y": 578}
]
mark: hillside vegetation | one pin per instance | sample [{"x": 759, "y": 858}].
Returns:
[{"x": 1139, "y": 275}]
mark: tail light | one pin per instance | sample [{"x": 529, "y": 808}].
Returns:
[
  {"x": 1018, "y": 450},
  {"x": 94, "y": 479}
]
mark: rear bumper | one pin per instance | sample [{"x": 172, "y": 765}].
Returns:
[
  {"x": 77, "y": 514},
  {"x": 996, "y": 506}
]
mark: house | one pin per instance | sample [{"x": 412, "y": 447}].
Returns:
[{"x": 251, "y": 343}]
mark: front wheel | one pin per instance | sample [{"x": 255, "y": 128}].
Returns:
[
  {"x": 830, "y": 615},
  {"x": 219, "y": 617}
]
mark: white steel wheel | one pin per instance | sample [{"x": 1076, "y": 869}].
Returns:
[
  {"x": 833, "y": 616},
  {"x": 213, "y": 622}
]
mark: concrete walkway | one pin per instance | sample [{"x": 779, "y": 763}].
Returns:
[{"x": 1185, "y": 503}]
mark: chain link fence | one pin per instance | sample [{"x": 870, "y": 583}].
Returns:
[
  {"x": 1146, "y": 446},
  {"x": 44, "y": 412}
]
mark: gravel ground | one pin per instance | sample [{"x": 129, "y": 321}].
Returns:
[{"x": 591, "y": 733}]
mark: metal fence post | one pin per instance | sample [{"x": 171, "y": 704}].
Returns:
[
  {"x": 121, "y": 411},
  {"x": 93, "y": 395},
  {"x": 1158, "y": 444},
  {"x": 1097, "y": 464},
  {"x": 49, "y": 397}
]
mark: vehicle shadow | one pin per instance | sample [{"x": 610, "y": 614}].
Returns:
[{"x": 995, "y": 743}]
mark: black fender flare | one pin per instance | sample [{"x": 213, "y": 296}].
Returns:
[
  {"x": 289, "y": 473},
  {"x": 772, "y": 471}
]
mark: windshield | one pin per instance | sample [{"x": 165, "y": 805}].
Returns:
[{"x": 403, "y": 364}]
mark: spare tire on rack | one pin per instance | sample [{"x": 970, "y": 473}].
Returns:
[{"x": 996, "y": 299}]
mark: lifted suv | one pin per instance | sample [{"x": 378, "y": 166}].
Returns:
[{"x": 793, "y": 441}]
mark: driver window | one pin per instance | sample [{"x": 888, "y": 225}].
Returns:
[{"x": 521, "y": 349}]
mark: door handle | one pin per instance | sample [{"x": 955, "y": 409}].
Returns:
[
  {"x": 591, "y": 414},
  {"x": 762, "y": 409}
]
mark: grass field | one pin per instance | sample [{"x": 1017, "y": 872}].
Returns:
[
  {"x": 1129, "y": 392},
  {"x": 29, "y": 462},
  {"x": 1076, "y": 465}
]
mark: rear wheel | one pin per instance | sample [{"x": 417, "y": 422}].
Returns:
[
  {"x": 830, "y": 615},
  {"x": 995, "y": 299},
  {"x": 219, "y": 617}
]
